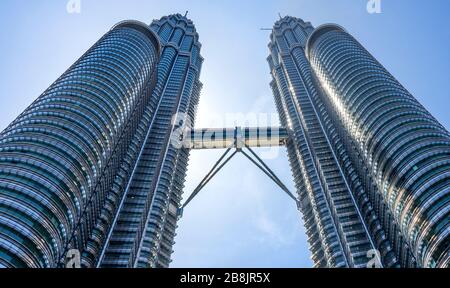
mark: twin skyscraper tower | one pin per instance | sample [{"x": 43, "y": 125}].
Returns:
[{"x": 89, "y": 166}]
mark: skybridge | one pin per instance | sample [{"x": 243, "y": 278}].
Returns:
[{"x": 236, "y": 140}]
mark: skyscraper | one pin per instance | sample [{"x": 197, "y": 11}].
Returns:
[
  {"x": 88, "y": 166},
  {"x": 371, "y": 165},
  {"x": 59, "y": 158},
  {"x": 144, "y": 228}
]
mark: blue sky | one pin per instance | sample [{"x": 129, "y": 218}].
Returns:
[{"x": 241, "y": 219}]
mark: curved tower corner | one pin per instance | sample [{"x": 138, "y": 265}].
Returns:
[
  {"x": 370, "y": 164},
  {"x": 144, "y": 228},
  {"x": 337, "y": 231},
  {"x": 58, "y": 159},
  {"x": 403, "y": 148}
]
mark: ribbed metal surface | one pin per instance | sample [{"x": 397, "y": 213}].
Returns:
[
  {"x": 337, "y": 233},
  {"x": 404, "y": 150},
  {"x": 144, "y": 228},
  {"x": 58, "y": 158}
]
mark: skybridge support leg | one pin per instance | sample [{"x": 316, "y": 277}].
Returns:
[
  {"x": 216, "y": 169},
  {"x": 256, "y": 160},
  {"x": 263, "y": 167}
]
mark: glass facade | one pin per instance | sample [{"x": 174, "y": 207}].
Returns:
[
  {"x": 144, "y": 228},
  {"x": 370, "y": 163},
  {"x": 59, "y": 158},
  {"x": 89, "y": 165}
]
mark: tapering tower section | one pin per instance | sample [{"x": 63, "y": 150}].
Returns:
[
  {"x": 370, "y": 163},
  {"x": 59, "y": 158},
  {"x": 330, "y": 194},
  {"x": 400, "y": 151},
  {"x": 144, "y": 228}
]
